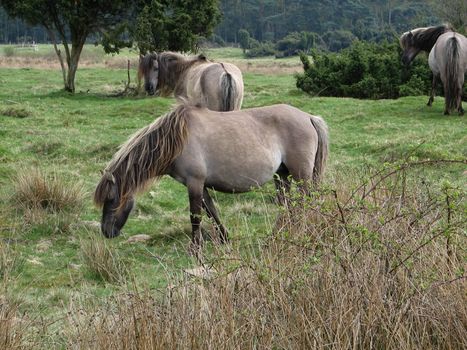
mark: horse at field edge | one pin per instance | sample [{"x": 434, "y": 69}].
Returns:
[
  {"x": 217, "y": 86},
  {"x": 231, "y": 152},
  {"x": 447, "y": 60}
]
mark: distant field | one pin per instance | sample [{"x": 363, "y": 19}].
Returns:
[
  {"x": 74, "y": 136},
  {"x": 94, "y": 56}
]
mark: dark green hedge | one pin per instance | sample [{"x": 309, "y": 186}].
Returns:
[{"x": 364, "y": 70}]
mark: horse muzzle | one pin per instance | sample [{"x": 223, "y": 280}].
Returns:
[
  {"x": 149, "y": 88},
  {"x": 110, "y": 231}
]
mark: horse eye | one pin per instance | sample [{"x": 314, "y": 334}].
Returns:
[{"x": 156, "y": 69}]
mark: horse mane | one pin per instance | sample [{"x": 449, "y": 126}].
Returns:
[
  {"x": 424, "y": 38},
  {"x": 172, "y": 67},
  {"x": 145, "y": 157}
]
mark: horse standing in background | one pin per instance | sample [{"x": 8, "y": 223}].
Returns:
[
  {"x": 447, "y": 60},
  {"x": 231, "y": 152},
  {"x": 217, "y": 86}
]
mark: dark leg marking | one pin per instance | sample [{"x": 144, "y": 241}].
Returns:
[{"x": 210, "y": 207}]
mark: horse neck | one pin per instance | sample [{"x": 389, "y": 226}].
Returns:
[{"x": 431, "y": 37}]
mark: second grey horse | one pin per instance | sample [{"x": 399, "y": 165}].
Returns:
[{"x": 215, "y": 85}]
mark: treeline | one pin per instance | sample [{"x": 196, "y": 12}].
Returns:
[
  {"x": 333, "y": 20},
  {"x": 14, "y": 30}
]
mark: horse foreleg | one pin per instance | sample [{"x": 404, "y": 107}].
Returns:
[
  {"x": 195, "y": 195},
  {"x": 211, "y": 210},
  {"x": 433, "y": 89}
]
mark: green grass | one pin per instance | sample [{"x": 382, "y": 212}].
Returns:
[{"x": 74, "y": 136}]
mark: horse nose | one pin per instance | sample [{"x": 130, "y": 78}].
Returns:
[
  {"x": 405, "y": 60},
  {"x": 149, "y": 88},
  {"x": 110, "y": 232}
]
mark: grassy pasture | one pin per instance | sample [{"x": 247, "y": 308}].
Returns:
[{"x": 71, "y": 138}]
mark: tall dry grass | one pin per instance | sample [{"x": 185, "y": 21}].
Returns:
[
  {"x": 380, "y": 265},
  {"x": 101, "y": 261},
  {"x": 46, "y": 199},
  {"x": 34, "y": 189},
  {"x": 14, "y": 324}
]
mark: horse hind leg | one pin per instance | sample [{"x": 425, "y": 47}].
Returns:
[
  {"x": 282, "y": 183},
  {"x": 303, "y": 176},
  {"x": 210, "y": 208},
  {"x": 460, "y": 109},
  {"x": 433, "y": 89}
]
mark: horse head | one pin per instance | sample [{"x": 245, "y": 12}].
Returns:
[
  {"x": 149, "y": 67},
  {"x": 420, "y": 39},
  {"x": 114, "y": 212},
  {"x": 410, "y": 51}
]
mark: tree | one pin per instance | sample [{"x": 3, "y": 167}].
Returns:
[
  {"x": 244, "y": 39},
  {"x": 158, "y": 25},
  {"x": 68, "y": 22},
  {"x": 454, "y": 12}
]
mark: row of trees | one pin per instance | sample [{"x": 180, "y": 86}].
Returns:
[
  {"x": 271, "y": 20},
  {"x": 369, "y": 20}
]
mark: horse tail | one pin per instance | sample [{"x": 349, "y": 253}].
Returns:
[
  {"x": 146, "y": 156},
  {"x": 323, "y": 147},
  {"x": 452, "y": 86},
  {"x": 228, "y": 91}
]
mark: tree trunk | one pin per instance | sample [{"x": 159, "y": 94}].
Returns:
[
  {"x": 59, "y": 54},
  {"x": 72, "y": 57},
  {"x": 76, "y": 49}
]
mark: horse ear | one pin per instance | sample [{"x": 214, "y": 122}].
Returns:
[
  {"x": 109, "y": 177},
  {"x": 202, "y": 57}
]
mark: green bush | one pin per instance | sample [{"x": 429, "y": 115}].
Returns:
[
  {"x": 244, "y": 39},
  {"x": 258, "y": 49},
  {"x": 294, "y": 43},
  {"x": 364, "y": 70}
]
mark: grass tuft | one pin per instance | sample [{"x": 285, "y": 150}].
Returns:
[
  {"x": 16, "y": 112},
  {"x": 48, "y": 192},
  {"x": 103, "y": 263},
  {"x": 12, "y": 330},
  {"x": 11, "y": 263}
]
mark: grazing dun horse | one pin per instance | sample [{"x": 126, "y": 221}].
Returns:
[
  {"x": 447, "y": 59},
  {"x": 217, "y": 86},
  {"x": 230, "y": 152}
]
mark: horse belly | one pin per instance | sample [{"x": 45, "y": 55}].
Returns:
[{"x": 234, "y": 174}]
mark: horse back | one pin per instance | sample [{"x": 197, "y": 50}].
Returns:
[
  {"x": 439, "y": 57},
  {"x": 217, "y": 86}
]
